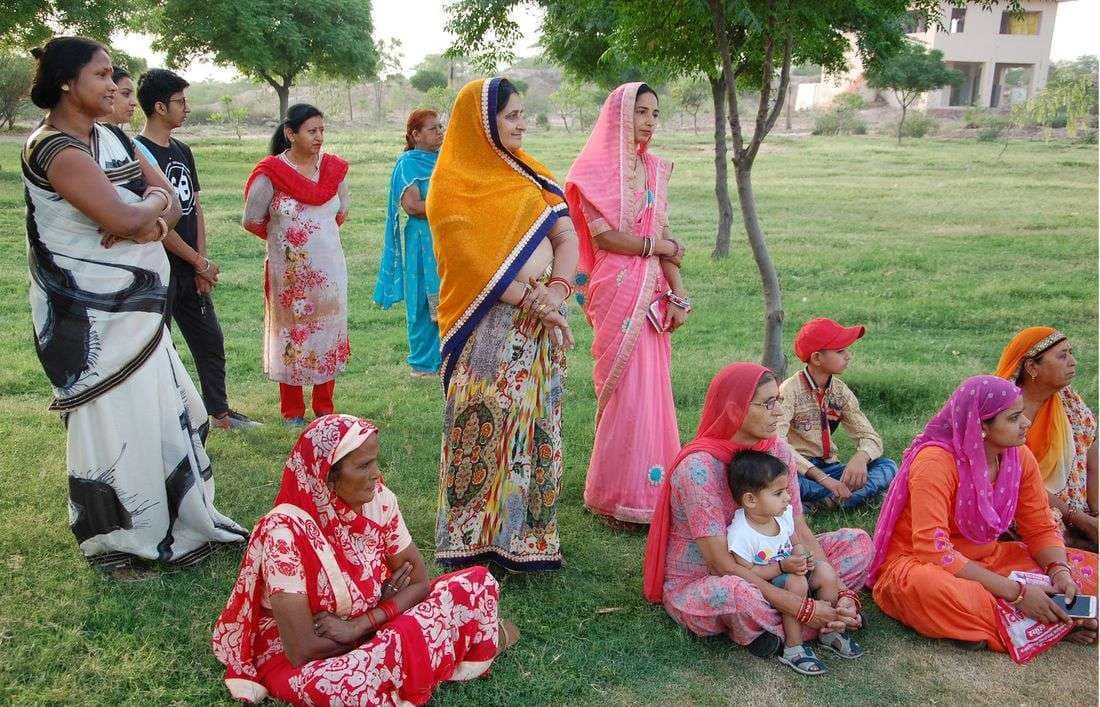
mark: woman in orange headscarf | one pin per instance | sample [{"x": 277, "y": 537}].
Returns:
[
  {"x": 1063, "y": 430},
  {"x": 506, "y": 252}
]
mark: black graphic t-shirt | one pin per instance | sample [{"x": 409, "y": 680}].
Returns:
[{"x": 178, "y": 164}]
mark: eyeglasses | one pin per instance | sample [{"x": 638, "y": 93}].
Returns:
[
  {"x": 769, "y": 404},
  {"x": 181, "y": 101}
]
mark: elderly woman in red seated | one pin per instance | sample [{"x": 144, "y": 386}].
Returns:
[
  {"x": 333, "y": 604},
  {"x": 940, "y": 567}
]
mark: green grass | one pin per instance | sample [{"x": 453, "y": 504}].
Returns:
[{"x": 943, "y": 248}]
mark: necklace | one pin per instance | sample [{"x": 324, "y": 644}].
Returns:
[{"x": 316, "y": 165}]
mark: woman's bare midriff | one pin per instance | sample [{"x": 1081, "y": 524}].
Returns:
[{"x": 538, "y": 263}]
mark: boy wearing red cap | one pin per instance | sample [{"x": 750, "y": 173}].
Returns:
[{"x": 814, "y": 403}]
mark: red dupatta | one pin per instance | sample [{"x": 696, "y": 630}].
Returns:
[
  {"x": 724, "y": 410},
  {"x": 291, "y": 182},
  {"x": 324, "y": 529}
]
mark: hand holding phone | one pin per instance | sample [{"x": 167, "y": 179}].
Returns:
[{"x": 1083, "y": 606}]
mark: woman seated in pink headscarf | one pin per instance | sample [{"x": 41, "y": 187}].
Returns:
[
  {"x": 688, "y": 566},
  {"x": 333, "y": 604},
  {"x": 633, "y": 297}
]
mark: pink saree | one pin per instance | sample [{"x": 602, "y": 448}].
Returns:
[{"x": 636, "y": 430}]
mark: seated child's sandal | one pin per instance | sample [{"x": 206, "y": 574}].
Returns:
[
  {"x": 802, "y": 660},
  {"x": 841, "y": 644}
]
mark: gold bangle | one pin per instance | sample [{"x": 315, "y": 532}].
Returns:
[{"x": 162, "y": 226}]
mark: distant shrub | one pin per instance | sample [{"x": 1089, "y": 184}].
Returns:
[
  {"x": 976, "y": 117},
  {"x": 1087, "y": 136},
  {"x": 849, "y": 101},
  {"x": 839, "y": 121},
  {"x": 542, "y": 121},
  {"x": 990, "y": 131},
  {"x": 918, "y": 125}
]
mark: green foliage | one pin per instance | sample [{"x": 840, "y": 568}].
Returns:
[
  {"x": 976, "y": 117},
  {"x": 272, "y": 40},
  {"x": 1069, "y": 97},
  {"x": 991, "y": 130},
  {"x": 577, "y": 101},
  {"x": 916, "y": 125},
  {"x": 542, "y": 121},
  {"x": 520, "y": 85},
  {"x": 16, "y": 73},
  {"x": 440, "y": 99},
  {"x": 911, "y": 72},
  {"x": 25, "y": 23},
  {"x": 425, "y": 80},
  {"x": 839, "y": 121},
  {"x": 849, "y": 100}
]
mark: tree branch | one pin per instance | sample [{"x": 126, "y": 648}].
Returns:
[
  {"x": 718, "y": 15},
  {"x": 784, "y": 82},
  {"x": 765, "y": 83}
]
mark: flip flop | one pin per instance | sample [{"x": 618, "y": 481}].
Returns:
[
  {"x": 507, "y": 635},
  {"x": 804, "y": 663}
]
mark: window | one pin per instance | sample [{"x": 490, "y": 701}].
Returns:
[
  {"x": 958, "y": 19},
  {"x": 1024, "y": 23},
  {"x": 914, "y": 23}
]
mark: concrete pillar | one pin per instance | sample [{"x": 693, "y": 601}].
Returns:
[{"x": 985, "y": 93}]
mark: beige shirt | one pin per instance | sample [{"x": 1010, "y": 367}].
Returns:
[{"x": 801, "y": 421}]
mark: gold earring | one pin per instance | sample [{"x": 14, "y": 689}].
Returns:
[
  {"x": 983, "y": 434},
  {"x": 65, "y": 87}
]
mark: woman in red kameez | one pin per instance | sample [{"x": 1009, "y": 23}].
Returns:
[{"x": 332, "y": 604}]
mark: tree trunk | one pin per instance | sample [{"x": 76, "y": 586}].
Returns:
[
  {"x": 787, "y": 107},
  {"x": 283, "y": 91},
  {"x": 351, "y": 109},
  {"x": 902, "y": 121},
  {"x": 774, "y": 358},
  {"x": 695, "y": 123},
  {"x": 721, "y": 170},
  {"x": 378, "y": 101}
]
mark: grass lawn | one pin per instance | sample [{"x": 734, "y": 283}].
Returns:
[{"x": 942, "y": 248}]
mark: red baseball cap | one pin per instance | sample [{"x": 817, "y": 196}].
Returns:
[{"x": 819, "y": 334}]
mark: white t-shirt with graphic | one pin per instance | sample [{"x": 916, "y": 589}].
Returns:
[{"x": 752, "y": 546}]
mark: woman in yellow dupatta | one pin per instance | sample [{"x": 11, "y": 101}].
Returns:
[
  {"x": 507, "y": 253},
  {"x": 1063, "y": 429}
]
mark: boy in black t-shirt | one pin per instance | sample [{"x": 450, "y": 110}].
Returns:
[{"x": 161, "y": 95}]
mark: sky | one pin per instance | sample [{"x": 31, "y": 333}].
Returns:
[{"x": 419, "y": 26}]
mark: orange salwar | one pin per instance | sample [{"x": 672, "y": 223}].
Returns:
[{"x": 917, "y": 584}]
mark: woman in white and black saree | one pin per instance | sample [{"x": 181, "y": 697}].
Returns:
[{"x": 140, "y": 484}]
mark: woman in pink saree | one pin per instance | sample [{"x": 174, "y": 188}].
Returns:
[{"x": 633, "y": 296}]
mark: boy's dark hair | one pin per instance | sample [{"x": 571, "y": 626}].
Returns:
[
  {"x": 750, "y": 471},
  {"x": 157, "y": 86}
]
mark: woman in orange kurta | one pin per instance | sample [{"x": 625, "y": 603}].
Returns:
[{"x": 939, "y": 567}]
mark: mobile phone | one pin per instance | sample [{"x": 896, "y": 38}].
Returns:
[
  {"x": 1083, "y": 606},
  {"x": 655, "y": 316}
]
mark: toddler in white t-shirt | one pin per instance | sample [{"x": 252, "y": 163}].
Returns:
[{"x": 763, "y": 537}]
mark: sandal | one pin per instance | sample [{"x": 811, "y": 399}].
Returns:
[
  {"x": 804, "y": 662},
  {"x": 843, "y": 645},
  {"x": 766, "y": 645},
  {"x": 507, "y": 635}
]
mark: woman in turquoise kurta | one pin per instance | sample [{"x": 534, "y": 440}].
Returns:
[{"x": 413, "y": 275}]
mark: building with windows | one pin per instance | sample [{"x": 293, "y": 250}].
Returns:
[{"x": 1003, "y": 57}]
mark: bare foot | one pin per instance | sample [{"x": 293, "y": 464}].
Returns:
[{"x": 1084, "y": 634}]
